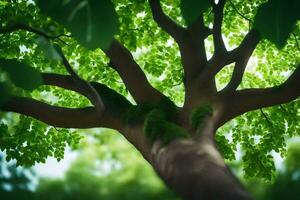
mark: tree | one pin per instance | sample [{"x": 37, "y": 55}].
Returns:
[{"x": 192, "y": 89}]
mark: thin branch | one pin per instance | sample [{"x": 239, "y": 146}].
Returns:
[
  {"x": 266, "y": 117},
  {"x": 237, "y": 74},
  {"x": 282, "y": 108},
  {"x": 134, "y": 78},
  {"x": 85, "y": 87},
  {"x": 107, "y": 94},
  {"x": 219, "y": 45},
  {"x": 28, "y": 28},
  {"x": 240, "y": 54},
  {"x": 247, "y": 46},
  {"x": 240, "y": 14},
  {"x": 59, "y": 116},
  {"x": 167, "y": 24},
  {"x": 297, "y": 44},
  {"x": 246, "y": 100}
]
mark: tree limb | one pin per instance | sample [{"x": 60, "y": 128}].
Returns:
[
  {"x": 246, "y": 100},
  {"x": 241, "y": 56},
  {"x": 84, "y": 86},
  {"x": 131, "y": 74},
  {"x": 246, "y": 47},
  {"x": 112, "y": 100},
  {"x": 63, "y": 81},
  {"x": 219, "y": 45},
  {"x": 237, "y": 74},
  {"x": 163, "y": 21},
  {"x": 190, "y": 41},
  {"x": 28, "y": 28},
  {"x": 59, "y": 116}
]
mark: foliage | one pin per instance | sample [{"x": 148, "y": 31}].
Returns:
[
  {"x": 30, "y": 141},
  {"x": 149, "y": 44},
  {"x": 107, "y": 167}
]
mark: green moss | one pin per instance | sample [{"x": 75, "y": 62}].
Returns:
[
  {"x": 168, "y": 107},
  {"x": 157, "y": 127},
  {"x": 137, "y": 114},
  {"x": 115, "y": 102},
  {"x": 199, "y": 114}
]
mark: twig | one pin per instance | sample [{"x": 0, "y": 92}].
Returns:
[
  {"x": 56, "y": 129},
  {"x": 240, "y": 14},
  {"x": 37, "y": 31},
  {"x": 266, "y": 117},
  {"x": 297, "y": 44},
  {"x": 87, "y": 89}
]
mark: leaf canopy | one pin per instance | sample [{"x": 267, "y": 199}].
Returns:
[{"x": 94, "y": 23}]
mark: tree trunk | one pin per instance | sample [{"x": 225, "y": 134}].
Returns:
[{"x": 196, "y": 170}]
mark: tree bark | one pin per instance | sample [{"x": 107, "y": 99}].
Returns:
[{"x": 196, "y": 170}]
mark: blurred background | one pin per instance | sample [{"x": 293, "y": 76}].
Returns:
[{"x": 106, "y": 167}]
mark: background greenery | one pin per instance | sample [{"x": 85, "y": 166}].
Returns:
[{"x": 108, "y": 168}]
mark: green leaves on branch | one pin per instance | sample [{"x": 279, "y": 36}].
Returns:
[
  {"x": 92, "y": 22},
  {"x": 30, "y": 141},
  {"x": 276, "y": 19},
  {"x": 192, "y": 9}
]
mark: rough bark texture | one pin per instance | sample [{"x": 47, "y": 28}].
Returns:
[{"x": 192, "y": 167}]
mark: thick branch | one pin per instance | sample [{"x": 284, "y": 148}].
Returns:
[
  {"x": 251, "y": 99},
  {"x": 167, "y": 24},
  {"x": 246, "y": 47},
  {"x": 131, "y": 73},
  {"x": 219, "y": 45},
  {"x": 113, "y": 101},
  {"x": 59, "y": 116},
  {"x": 237, "y": 74},
  {"x": 63, "y": 81},
  {"x": 240, "y": 55}
]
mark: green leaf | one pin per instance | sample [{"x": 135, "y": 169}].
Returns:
[
  {"x": 192, "y": 9},
  {"x": 21, "y": 75},
  {"x": 276, "y": 19},
  {"x": 5, "y": 93},
  {"x": 92, "y": 22}
]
